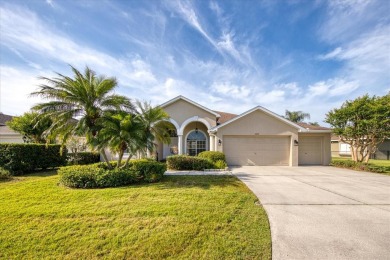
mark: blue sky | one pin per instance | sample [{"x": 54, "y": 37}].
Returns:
[{"x": 226, "y": 55}]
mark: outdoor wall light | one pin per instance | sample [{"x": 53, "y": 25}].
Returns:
[
  {"x": 295, "y": 142},
  {"x": 219, "y": 142}
]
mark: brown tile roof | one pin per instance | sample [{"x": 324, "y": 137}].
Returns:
[
  {"x": 225, "y": 116},
  {"x": 4, "y": 118},
  {"x": 312, "y": 127}
]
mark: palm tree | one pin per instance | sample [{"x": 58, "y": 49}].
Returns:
[
  {"x": 86, "y": 97},
  {"x": 155, "y": 125},
  {"x": 120, "y": 132},
  {"x": 296, "y": 116}
]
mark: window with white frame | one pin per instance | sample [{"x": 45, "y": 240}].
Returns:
[{"x": 196, "y": 143}]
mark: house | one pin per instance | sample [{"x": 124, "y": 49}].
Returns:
[
  {"x": 7, "y": 135},
  {"x": 255, "y": 137},
  {"x": 341, "y": 149}
]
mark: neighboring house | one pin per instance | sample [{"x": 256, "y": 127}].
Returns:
[
  {"x": 255, "y": 137},
  {"x": 8, "y": 135},
  {"x": 341, "y": 149}
]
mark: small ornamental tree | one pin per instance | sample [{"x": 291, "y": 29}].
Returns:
[
  {"x": 30, "y": 127},
  {"x": 362, "y": 123}
]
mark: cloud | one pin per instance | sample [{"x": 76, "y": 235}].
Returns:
[
  {"x": 15, "y": 88},
  {"x": 331, "y": 88},
  {"x": 187, "y": 13},
  {"x": 231, "y": 90}
]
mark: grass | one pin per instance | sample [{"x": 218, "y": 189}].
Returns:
[
  {"x": 373, "y": 162},
  {"x": 182, "y": 217}
]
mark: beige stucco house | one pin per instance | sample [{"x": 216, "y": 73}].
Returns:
[
  {"x": 7, "y": 135},
  {"x": 341, "y": 149},
  {"x": 255, "y": 137}
]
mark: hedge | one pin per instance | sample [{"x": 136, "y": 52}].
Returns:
[
  {"x": 185, "y": 162},
  {"x": 83, "y": 158},
  {"x": 213, "y": 156},
  {"x": 24, "y": 158},
  {"x": 99, "y": 176},
  {"x": 359, "y": 166}
]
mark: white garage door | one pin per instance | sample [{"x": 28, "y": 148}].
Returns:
[
  {"x": 257, "y": 150},
  {"x": 310, "y": 151}
]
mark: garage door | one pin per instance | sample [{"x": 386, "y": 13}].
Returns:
[
  {"x": 310, "y": 151},
  {"x": 256, "y": 150}
]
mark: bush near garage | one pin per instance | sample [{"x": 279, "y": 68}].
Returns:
[
  {"x": 213, "y": 156},
  {"x": 100, "y": 176},
  {"x": 188, "y": 163},
  {"x": 349, "y": 164},
  {"x": 24, "y": 158},
  {"x": 83, "y": 158}
]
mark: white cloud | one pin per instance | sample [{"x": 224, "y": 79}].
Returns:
[
  {"x": 231, "y": 90},
  {"x": 25, "y": 31},
  {"x": 331, "y": 55},
  {"x": 331, "y": 88},
  {"x": 16, "y": 85}
]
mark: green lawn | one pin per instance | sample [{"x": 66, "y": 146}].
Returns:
[{"x": 198, "y": 217}]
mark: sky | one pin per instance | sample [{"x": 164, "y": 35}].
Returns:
[{"x": 230, "y": 55}]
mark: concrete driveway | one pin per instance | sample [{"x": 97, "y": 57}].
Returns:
[{"x": 323, "y": 212}]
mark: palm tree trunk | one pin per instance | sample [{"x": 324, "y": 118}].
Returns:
[
  {"x": 120, "y": 156},
  {"x": 127, "y": 161},
  {"x": 103, "y": 153}
]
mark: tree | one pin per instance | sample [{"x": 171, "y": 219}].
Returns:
[
  {"x": 362, "y": 123},
  {"x": 121, "y": 131},
  {"x": 30, "y": 127},
  {"x": 314, "y": 123},
  {"x": 296, "y": 116},
  {"x": 87, "y": 97},
  {"x": 155, "y": 125}
]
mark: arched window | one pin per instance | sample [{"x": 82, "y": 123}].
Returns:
[{"x": 196, "y": 143}]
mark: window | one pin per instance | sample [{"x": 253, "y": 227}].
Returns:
[{"x": 196, "y": 143}]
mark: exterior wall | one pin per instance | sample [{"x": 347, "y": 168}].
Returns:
[
  {"x": 259, "y": 123},
  {"x": 9, "y": 136},
  {"x": 335, "y": 149},
  {"x": 383, "y": 152},
  {"x": 181, "y": 110},
  {"x": 326, "y": 152}
]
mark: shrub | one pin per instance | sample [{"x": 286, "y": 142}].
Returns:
[
  {"x": 83, "y": 158},
  {"x": 185, "y": 162},
  {"x": 4, "y": 174},
  {"x": 99, "y": 176},
  {"x": 151, "y": 171},
  {"x": 359, "y": 166},
  {"x": 213, "y": 156},
  {"x": 80, "y": 176},
  {"x": 24, "y": 158},
  {"x": 220, "y": 164}
]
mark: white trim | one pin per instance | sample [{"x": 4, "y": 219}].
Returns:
[
  {"x": 193, "y": 119},
  {"x": 300, "y": 129},
  {"x": 191, "y": 102},
  {"x": 185, "y": 140},
  {"x": 318, "y": 131},
  {"x": 174, "y": 123}
]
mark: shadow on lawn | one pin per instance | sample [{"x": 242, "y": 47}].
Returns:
[
  {"x": 203, "y": 182},
  {"x": 42, "y": 173}
]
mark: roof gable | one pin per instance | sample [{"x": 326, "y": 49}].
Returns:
[
  {"x": 191, "y": 102},
  {"x": 266, "y": 111}
]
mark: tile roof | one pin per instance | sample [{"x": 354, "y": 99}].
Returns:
[
  {"x": 225, "y": 116},
  {"x": 312, "y": 127},
  {"x": 4, "y": 118}
]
